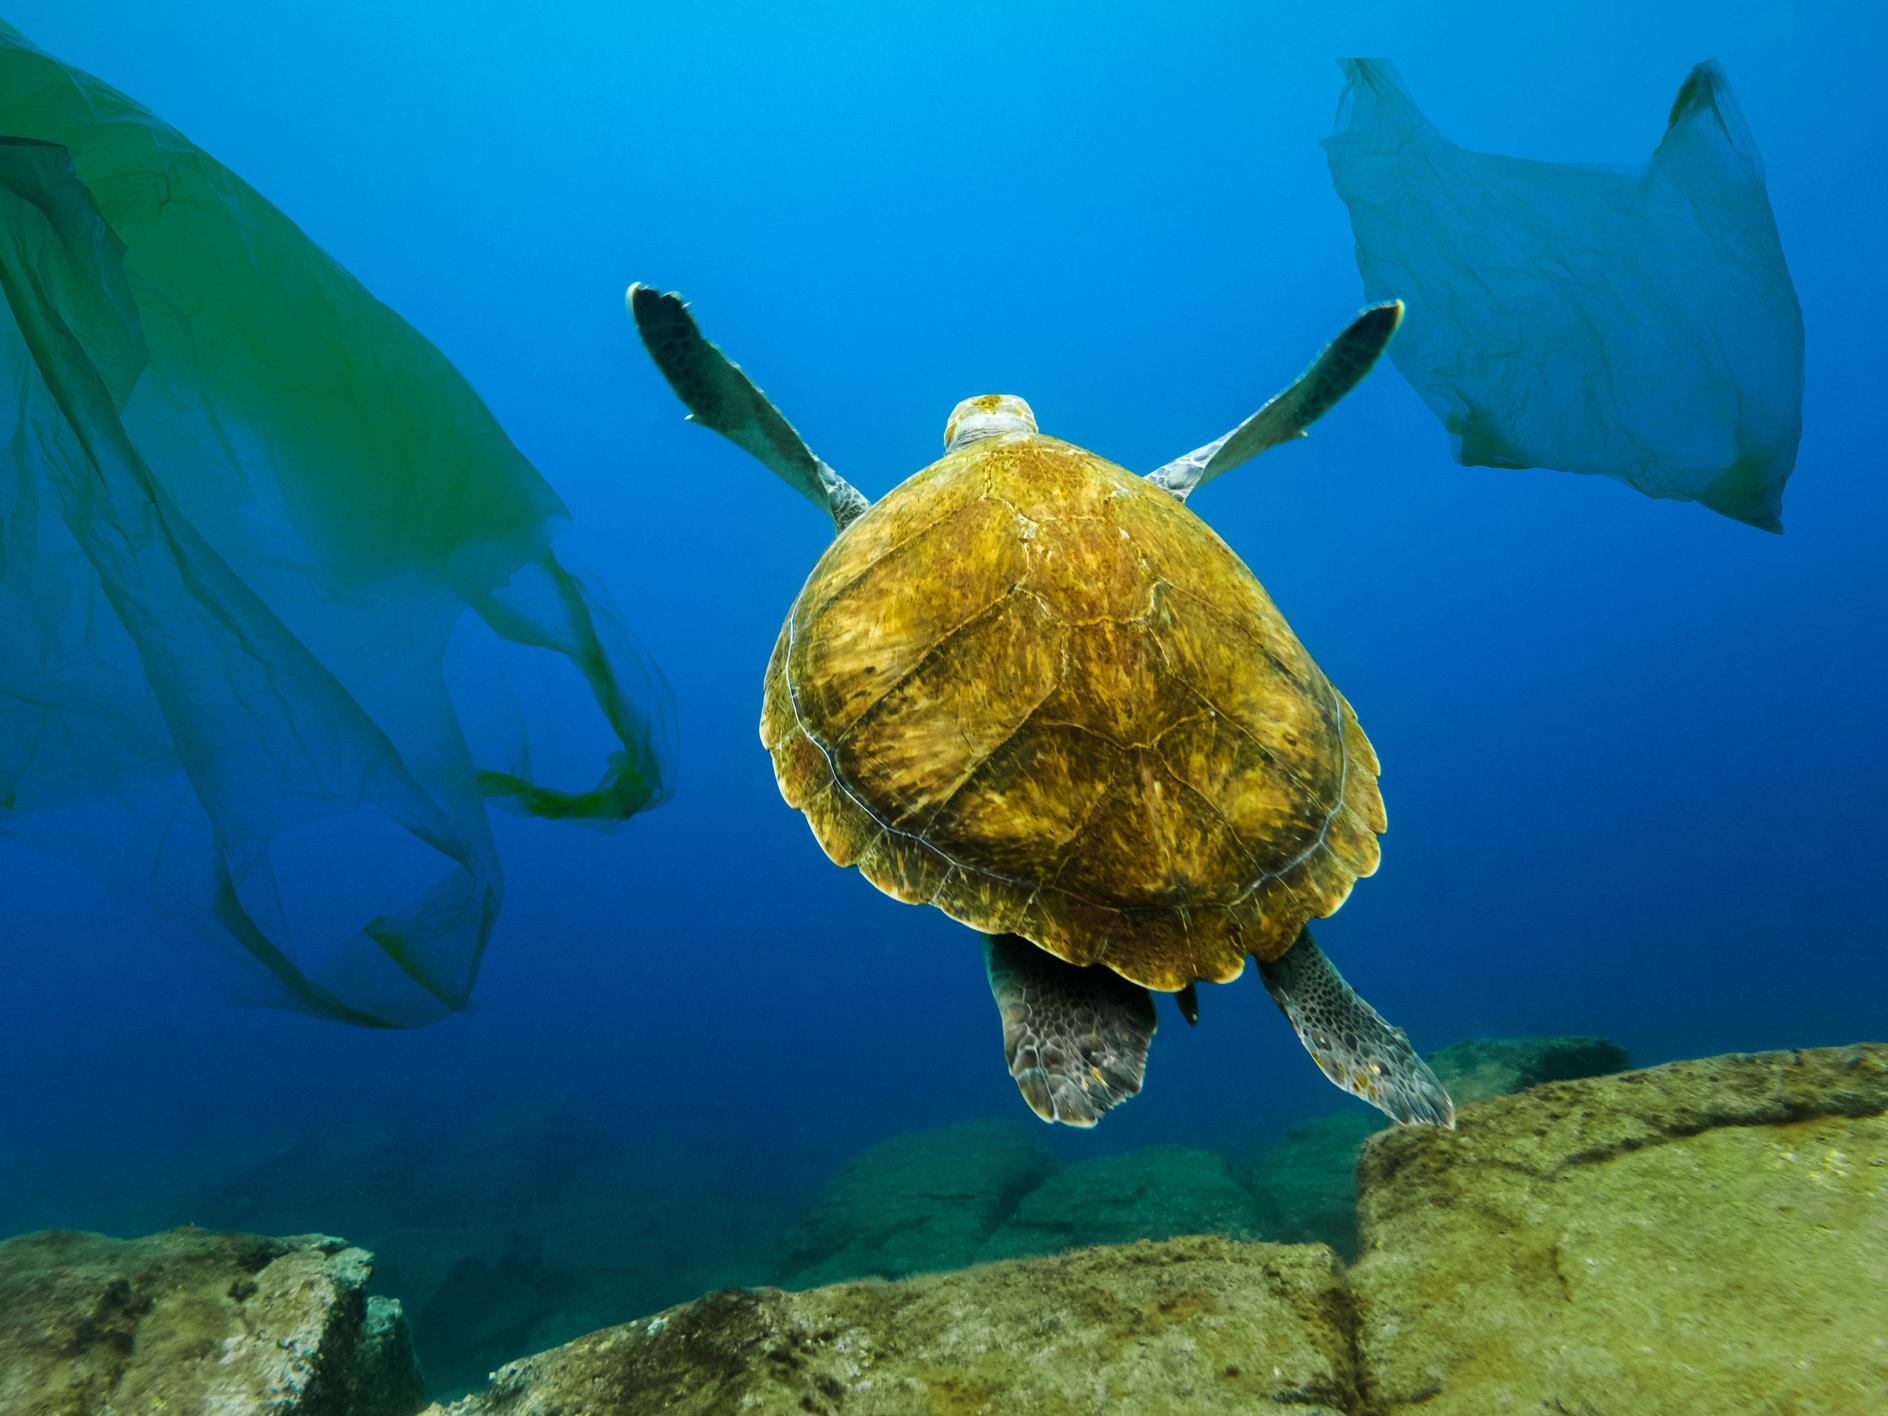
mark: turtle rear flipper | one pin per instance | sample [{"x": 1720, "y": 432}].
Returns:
[
  {"x": 1076, "y": 1038},
  {"x": 1351, "y": 1041},
  {"x": 721, "y": 397}
]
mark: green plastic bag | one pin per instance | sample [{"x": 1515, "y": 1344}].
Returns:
[
  {"x": 1641, "y": 325},
  {"x": 242, "y": 507}
]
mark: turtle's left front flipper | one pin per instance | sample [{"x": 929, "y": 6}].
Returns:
[
  {"x": 723, "y": 398},
  {"x": 1076, "y": 1038},
  {"x": 1351, "y": 1041},
  {"x": 1334, "y": 373}
]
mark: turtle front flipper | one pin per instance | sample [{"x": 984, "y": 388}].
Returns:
[
  {"x": 723, "y": 398},
  {"x": 1334, "y": 373},
  {"x": 1076, "y": 1038},
  {"x": 1351, "y": 1041}
]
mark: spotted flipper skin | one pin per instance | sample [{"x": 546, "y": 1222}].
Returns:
[
  {"x": 1076, "y": 1038},
  {"x": 1350, "y": 1040}
]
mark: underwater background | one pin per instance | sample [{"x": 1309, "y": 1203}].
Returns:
[{"x": 1632, "y": 750}]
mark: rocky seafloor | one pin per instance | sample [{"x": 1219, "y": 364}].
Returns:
[{"x": 1700, "y": 1237}]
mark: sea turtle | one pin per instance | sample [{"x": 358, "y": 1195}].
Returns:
[{"x": 1035, "y": 690}]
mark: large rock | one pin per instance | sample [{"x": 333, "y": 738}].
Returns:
[
  {"x": 192, "y": 1322},
  {"x": 1306, "y": 1182},
  {"x": 1156, "y": 1193},
  {"x": 1704, "y": 1237},
  {"x": 1193, "y": 1325},
  {"x": 915, "y": 1203}
]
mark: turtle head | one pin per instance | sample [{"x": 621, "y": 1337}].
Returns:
[{"x": 988, "y": 415}]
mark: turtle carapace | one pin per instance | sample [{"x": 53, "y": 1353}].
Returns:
[{"x": 1036, "y": 691}]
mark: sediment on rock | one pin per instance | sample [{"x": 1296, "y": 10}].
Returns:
[
  {"x": 195, "y": 1321},
  {"x": 1199, "y": 1324},
  {"x": 1697, "y": 1237}
]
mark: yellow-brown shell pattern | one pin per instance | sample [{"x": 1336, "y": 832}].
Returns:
[{"x": 1035, "y": 691}]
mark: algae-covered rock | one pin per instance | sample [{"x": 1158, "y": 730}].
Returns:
[
  {"x": 194, "y": 1321},
  {"x": 1155, "y": 1193},
  {"x": 1500, "y": 1066},
  {"x": 1705, "y": 1236},
  {"x": 917, "y": 1202},
  {"x": 1306, "y": 1183},
  {"x": 1198, "y": 1324}
]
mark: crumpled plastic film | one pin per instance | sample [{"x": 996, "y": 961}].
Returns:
[
  {"x": 1641, "y": 325},
  {"x": 242, "y": 507}
]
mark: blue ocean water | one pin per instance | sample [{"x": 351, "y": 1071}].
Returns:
[{"x": 1632, "y": 750}]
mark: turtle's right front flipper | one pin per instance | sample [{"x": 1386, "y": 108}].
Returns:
[
  {"x": 721, "y": 397},
  {"x": 1335, "y": 372},
  {"x": 1076, "y": 1038},
  {"x": 1358, "y": 1050}
]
